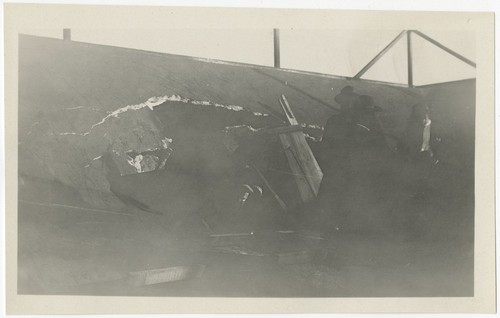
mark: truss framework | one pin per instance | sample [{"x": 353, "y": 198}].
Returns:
[{"x": 408, "y": 34}]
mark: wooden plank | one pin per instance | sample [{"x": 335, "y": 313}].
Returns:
[
  {"x": 305, "y": 190},
  {"x": 379, "y": 55},
  {"x": 307, "y": 161},
  {"x": 288, "y": 111},
  {"x": 300, "y": 158}
]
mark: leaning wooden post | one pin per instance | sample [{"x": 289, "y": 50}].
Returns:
[{"x": 303, "y": 164}]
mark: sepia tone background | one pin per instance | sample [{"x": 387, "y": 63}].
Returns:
[{"x": 288, "y": 19}]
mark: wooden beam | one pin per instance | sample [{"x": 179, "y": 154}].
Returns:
[
  {"x": 305, "y": 168},
  {"x": 444, "y": 48},
  {"x": 288, "y": 111},
  {"x": 410, "y": 60},
  {"x": 306, "y": 192},
  {"x": 379, "y": 55}
]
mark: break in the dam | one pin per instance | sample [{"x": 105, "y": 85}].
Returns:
[{"x": 152, "y": 174}]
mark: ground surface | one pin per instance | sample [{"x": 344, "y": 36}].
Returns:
[{"x": 63, "y": 250}]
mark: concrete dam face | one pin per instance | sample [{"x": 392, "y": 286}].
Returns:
[{"x": 124, "y": 153}]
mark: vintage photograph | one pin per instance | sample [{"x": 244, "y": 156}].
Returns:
[{"x": 246, "y": 162}]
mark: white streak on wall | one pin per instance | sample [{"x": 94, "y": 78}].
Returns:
[
  {"x": 73, "y": 108},
  {"x": 259, "y": 189},
  {"x": 91, "y": 161},
  {"x": 311, "y": 126},
  {"x": 248, "y": 187},
  {"x": 97, "y": 110},
  {"x": 155, "y": 101},
  {"x": 316, "y": 127},
  {"x": 151, "y": 103},
  {"x": 259, "y": 114},
  {"x": 426, "y": 134},
  {"x": 253, "y": 129},
  {"x": 312, "y": 138}
]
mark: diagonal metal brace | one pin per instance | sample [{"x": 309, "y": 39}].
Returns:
[
  {"x": 379, "y": 55},
  {"x": 444, "y": 48}
]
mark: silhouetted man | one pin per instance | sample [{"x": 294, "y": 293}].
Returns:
[{"x": 353, "y": 146}]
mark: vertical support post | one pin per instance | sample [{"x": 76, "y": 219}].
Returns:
[
  {"x": 276, "y": 33},
  {"x": 67, "y": 34},
  {"x": 410, "y": 60}
]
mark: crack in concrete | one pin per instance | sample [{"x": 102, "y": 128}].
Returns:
[{"x": 151, "y": 103}]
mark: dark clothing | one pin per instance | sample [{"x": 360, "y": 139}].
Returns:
[{"x": 354, "y": 161}]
